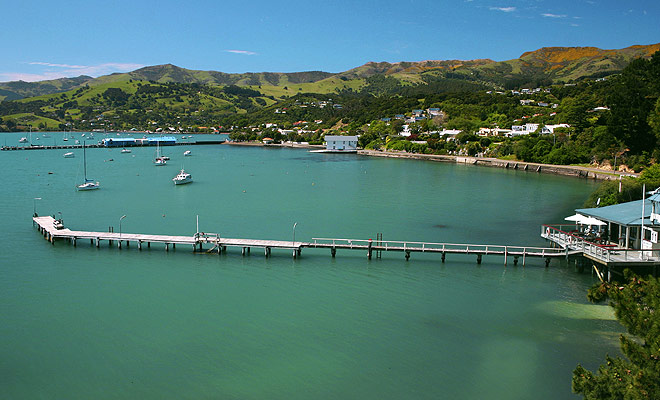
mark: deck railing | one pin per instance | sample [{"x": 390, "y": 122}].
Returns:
[
  {"x": 604, "y": 252},
  {"x": 399, "y": 245}
]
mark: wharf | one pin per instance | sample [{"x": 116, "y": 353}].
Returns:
[
  {"x": 52, "y": 229},
  {"x": 96, "y": 145}
]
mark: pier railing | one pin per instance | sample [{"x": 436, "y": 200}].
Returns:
[
  {"x": 400, "y": 245},
  {"x": 564, "y": 236}
]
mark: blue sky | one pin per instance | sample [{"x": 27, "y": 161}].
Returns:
[{"x": 45, "y": 39}]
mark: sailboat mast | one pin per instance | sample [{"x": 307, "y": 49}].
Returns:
[{"x": 84, "y": 162}]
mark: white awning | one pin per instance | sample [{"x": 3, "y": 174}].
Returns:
[{"x": 584, "y": 220}]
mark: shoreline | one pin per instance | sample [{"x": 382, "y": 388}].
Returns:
[{"x": 563, "y": 170}]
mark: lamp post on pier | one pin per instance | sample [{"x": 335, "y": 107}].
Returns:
[
  {"x": 120, "y": 218},
  {"x": 34, "y": 206},
  {"x": 294, "y": 234}
]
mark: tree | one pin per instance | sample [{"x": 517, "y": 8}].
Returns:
[{"x": 636, "y": 305}]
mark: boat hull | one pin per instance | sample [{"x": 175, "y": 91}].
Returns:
[{"x": 88, "y": 186}]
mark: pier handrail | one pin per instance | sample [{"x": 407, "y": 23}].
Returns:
[{"x": 424, "y": 246}]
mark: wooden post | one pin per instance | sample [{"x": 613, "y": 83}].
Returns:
[
  {"x": 443, "y": 256},
  {"x": 407, "y": 255},
  {"x": 333, "y": 251},
  {"x": 369, "y": 250},
  {"x": 515, "y": 260},
  {"x": 139, "y": 245},
  {"x": 479, "y": 259},
  {"x": 167, "y": 247}
]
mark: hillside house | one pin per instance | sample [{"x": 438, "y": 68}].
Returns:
[
  {"x": 449, "y": 134},
  {"x": 493, "y": 132},
  {"x": 550, "y": 129},
  {"x": 435, "y": 112}
]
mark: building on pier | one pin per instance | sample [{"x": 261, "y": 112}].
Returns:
[{"x": 616, "y": 237}]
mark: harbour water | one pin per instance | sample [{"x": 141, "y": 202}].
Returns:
[{"x": 113, "y": 324}]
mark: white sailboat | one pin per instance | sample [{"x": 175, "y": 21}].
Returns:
[
  {"x": 159, "y": 160},
  {"x": 88, "y": 184}
]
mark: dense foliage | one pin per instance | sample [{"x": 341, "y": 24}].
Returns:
[{"x": 637, "y": 376}]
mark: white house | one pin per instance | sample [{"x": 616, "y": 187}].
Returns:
[
  {"x": 526, "y": 129},
  {"x": 450, "y": 134},
  {"x": 341, "y": 144},
  {"x": 494, "y": 132},
  {"x": 550, "y": 129}
]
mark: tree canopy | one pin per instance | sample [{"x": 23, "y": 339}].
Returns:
[{"x": 637, "y": 376}]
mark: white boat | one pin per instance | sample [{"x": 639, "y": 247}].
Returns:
[
  {"x": 89, "y": 184},
  {"x": 22, "y": 140},
  {"x": 65, "y": 139},
  {"x": 187, "y": 153},
  {"x": 182, "y": 178},
  {"x": 125, "y": 150},
  {"x": 69, "y": 155},
  {"x": 159, "y": 160}
]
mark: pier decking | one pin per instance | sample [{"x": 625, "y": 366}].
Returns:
[{"x": 217, "y": 244}]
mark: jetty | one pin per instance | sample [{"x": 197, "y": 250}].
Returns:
[
  {"x": 98, "y": 145},
  {"x": 53, "y": 229}
]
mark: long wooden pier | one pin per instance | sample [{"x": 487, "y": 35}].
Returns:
[
  {"x": 52, "y": 229},
  {"x": 101, "y": 146}
]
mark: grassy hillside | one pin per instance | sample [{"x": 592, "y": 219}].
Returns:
[{"x": 543, "y": 66}]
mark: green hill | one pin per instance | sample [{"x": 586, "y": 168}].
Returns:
[{"x": 544, "y": 66}]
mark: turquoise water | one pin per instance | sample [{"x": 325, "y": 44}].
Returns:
[{"x": 112, "y": 324}]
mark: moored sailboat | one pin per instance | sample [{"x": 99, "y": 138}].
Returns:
[{"x": 88, "y": 184}]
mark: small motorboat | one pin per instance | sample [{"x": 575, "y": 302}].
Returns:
[
  {"x": 69, "y": 155},
  {"x": 125, "y": 150},
  {"x": 159, "y": 161},
  {"x": 22, "y": 140},
  {"x": 182, "y": 178},
  {"x": 187, "y": 153}
]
